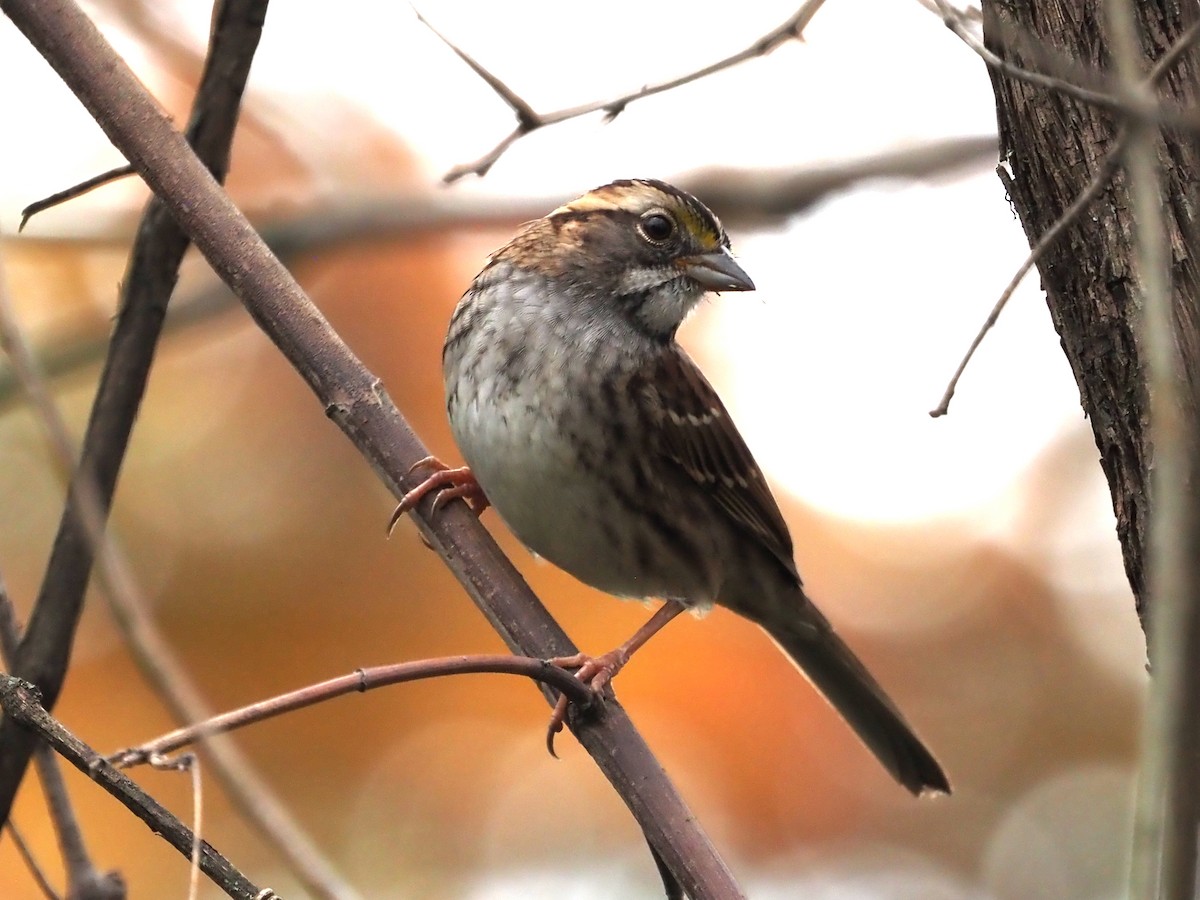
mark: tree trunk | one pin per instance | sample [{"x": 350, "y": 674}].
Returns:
[{"x": 1051, "y": 145}]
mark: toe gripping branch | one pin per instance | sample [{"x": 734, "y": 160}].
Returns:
[{"x": 449, "y": 485}]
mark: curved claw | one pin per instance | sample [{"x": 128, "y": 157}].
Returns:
[
  {"x": 449, "y": 484},
  {"x": 594, "y": 671},
  {"x": 558, "y": 718}
]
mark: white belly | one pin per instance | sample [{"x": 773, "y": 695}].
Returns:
[{"x": 527, "y": 464}]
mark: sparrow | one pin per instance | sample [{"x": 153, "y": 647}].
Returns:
[{"x": 606, "y": 451}]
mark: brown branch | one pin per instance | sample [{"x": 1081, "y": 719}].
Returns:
[
  {"x": 357, "y": 403},
  {"x": 529, "y": 120},
  {"x": 76, "y": 190},
  {"x": 22, "y": 705},
  {"x": 360, "y": 681},
  {"x": 85, "y": 881}
]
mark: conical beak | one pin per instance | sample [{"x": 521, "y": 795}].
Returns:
[{"x": 717, "y": 271}]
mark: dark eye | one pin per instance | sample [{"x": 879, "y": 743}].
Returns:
[{"x": 656, "y": 227}]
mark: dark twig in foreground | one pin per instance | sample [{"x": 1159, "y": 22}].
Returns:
[
  {"x": 76, "y": 190},
  {"x": 354, "y": 399},
  {"x": 529, "y": 120},
  {"x": 360, "y": 681},
  {"x": 84, "y": 879},
  {"x": 22, "y": 704}
]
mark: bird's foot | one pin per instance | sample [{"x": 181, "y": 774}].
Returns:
[
  {"x": 449, "y": 484},
  {"x": 594, "y": 671}
]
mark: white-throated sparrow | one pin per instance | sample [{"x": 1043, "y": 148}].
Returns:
[{"x": 606, "y": 451}]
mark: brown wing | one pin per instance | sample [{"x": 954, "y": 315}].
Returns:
[{"x": 696, "y": 432}]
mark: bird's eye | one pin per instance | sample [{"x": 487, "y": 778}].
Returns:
[{"x": 656, "y": 227}]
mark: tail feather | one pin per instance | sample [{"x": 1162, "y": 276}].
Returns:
[{"x": 845, "y": 682}]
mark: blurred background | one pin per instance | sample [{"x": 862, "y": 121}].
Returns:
[{"x": 971, "y": 560}]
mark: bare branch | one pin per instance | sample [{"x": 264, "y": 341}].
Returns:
[
  {"x": 1095, "y": 187},
  {"x": 77, "y": 190},
  {"x": 31, "y": 863},
  {"x": 359, "y": 681},
  {"x": 22, "y": 705},
  {"x": 355, "y": 400},
  {"x": 84, "y": 878},
  {"x": 529, "y": 120}
]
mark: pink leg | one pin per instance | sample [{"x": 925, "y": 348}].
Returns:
[
  {"x": 598, "y": 671},
  {"x": 449, "y": 483}
]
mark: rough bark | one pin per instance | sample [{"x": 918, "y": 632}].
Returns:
[{"x": 1050, "y": 147}]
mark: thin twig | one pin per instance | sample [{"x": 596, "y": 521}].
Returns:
[
  {"x": 359, "y": 681},
  {"x": 1141, "y": 106},
  {"x": 529, "y": 120},
  {"x": 22, "y": 704},
  {"x": 1095, "y": 187},
  {"x": 31, "y": 863},
  {"x": 189, "y": 763},
  {"x": 76, "y": 190},
  {"x": 354, "y": 399},
  {"x": 1070, "y": 215}
]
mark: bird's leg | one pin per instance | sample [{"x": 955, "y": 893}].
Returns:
[
  {"x": 449, "y": 483},
  {"x": 598, "y": 671}
]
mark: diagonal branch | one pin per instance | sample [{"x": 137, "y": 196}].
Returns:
[
  {"x": 357, "y": 403},
  {"x": 22, "y": 705},
  {"x": 84, "y": 879},
  {"x": 529, "y": 120}
]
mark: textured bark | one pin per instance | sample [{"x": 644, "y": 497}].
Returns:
[{"x": 1051, "y": 145}]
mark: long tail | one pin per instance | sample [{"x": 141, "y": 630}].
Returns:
[{"x": 848, "y": 686}]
